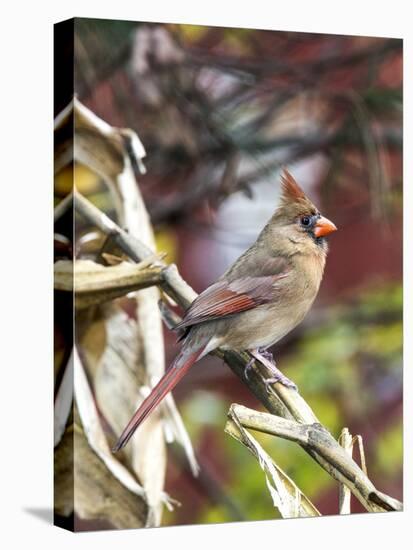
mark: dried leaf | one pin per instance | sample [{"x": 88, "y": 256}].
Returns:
[
  {"x": 64, "y": 473},
  {"x": 117, "y": 367},
  {"x": 98, "y": 148},
  {"x": 175, "y": 431},
  {"x": 285, "y": 494},
  {"x": 63, "y": 401},
  {"x": 98, "y": 494},
  {"x": 136, "y": 220},
  {"x": 118, "y": 381},
  {"x": 151, "y": 466},
  {"x": 94, "y": 432}
]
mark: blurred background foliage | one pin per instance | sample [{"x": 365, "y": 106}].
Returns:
[{"x": 219, "y": 111}]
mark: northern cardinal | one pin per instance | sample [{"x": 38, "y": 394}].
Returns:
[{"x": 258, "y": 300}]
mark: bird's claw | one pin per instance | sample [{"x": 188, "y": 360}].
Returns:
[
  {"x": 266, "y": 358},
  {"x": 247, "y": 368},
  {"x": 282, "y": 379}
]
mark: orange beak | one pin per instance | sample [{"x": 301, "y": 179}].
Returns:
[{"x": 324, "y": 227}]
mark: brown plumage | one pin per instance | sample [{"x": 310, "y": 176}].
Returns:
[{"x": 258, "y": 300}]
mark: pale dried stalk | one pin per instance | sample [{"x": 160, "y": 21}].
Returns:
[
  {"x": 344, "y": 493},
  {"x": 94, "y": 431},
  {"x": 279, "y": 400},
  {"x": 359, "y": 440}
]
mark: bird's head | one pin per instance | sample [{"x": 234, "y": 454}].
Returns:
[{"x": 298, "y": 219}]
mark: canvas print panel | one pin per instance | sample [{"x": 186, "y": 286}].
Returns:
[{"x": 228, "y": 211}]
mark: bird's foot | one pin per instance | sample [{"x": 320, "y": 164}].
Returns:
[
  {"x": 248, "y": 367},
  {"x": 267, "y": 359},
  {"x": 267, "y": 354}
]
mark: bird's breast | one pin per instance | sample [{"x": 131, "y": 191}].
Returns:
[
  {"x": 268, "y": 323},
  {"x": 262, "y": 326}
]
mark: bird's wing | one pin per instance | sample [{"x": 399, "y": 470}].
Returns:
[
  {"x": 226, "y": 298},
  {"x": 258, "y": 261}
]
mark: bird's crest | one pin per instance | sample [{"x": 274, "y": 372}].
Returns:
[
  {"x": 292, "y": 195},
  {"x": 290, "y": 188}
]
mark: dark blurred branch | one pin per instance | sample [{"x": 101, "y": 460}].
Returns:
[
  {"x": 286, "y": 404},
  {"x": 202, "y": 135},
  {"x": 295, "y": 148},
  {"x": 305, "y": 71}
]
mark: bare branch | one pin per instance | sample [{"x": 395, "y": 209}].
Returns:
[
  {"x": 95, "y": 284},
  {"x": 321, "y": 445},
  {"x": 172, "y": 282}
]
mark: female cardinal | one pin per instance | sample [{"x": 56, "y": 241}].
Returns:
[{"x": 258, "y": 300}]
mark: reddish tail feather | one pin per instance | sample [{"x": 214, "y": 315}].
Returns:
[{"x": 168, "y": 381}]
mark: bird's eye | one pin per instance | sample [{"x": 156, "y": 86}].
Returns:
[{"x": 305, "y": 221}]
